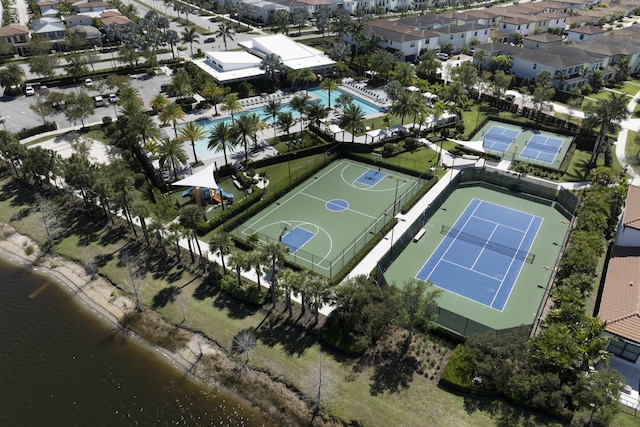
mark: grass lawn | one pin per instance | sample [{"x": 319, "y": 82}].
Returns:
[{"x": 632, "y": 150}]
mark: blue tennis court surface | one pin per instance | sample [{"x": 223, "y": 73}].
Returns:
[
  {"x": 498, "y": 138},
  {"x": 542, "y": 148},
  {"x": 296, "y": 238},
  {"x": 482, "y": 255},
  {"x": 371, "y": 177}
]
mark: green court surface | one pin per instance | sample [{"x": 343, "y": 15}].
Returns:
[
  {"x": 513, "y": 152},
  {"x": 529, "y": 288},
  {"x": 331, "y": 216}
]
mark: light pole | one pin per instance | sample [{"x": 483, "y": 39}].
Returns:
[{"x": 395, "y": 196}]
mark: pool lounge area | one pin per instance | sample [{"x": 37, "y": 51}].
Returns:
[{"x": 257, "y": 104}]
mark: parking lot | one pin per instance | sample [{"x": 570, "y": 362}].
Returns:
[{"x": 18, "y": 116}]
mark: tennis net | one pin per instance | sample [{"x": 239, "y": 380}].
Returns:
[{"x": 496, "y": 247}]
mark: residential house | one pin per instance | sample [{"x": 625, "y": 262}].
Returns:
[
  {"x": 616, "y": 48},
  {"x": 568, "y": 64},
  {"x": 90, "y": 34},
  {"x": 397, "y": 36},
  {"x": 541, "y": 41},
  {"x": 585, "y": 33},
  {"x": 16, "y": 35},
  {"x": 78, "y": 19},
  {"x": 113, "y": 18},
  {"x": 90, "y": 6},
  {"x": 427, "y": 21},
  {"x": 52, "y": 29},
  {"x": 48, "y": 8},
  {"x": 629, "y": 226},
  {"x": 459, "y": 36},
  {"x": 620, "y": 308}
]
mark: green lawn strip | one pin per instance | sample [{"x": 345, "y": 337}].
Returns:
[
  {"x": 626, "y": 417},
  {"x": 579, "y": 167},
  {"x": 632, "y": 151},
  {"x": 630, "y": 88}
]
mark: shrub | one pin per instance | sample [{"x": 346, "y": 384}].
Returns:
[
  {"x": 388, "y": 149},
  {"x": 457, "y": 373}
]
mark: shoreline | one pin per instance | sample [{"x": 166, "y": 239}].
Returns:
[{"x": 95, "y": 295}]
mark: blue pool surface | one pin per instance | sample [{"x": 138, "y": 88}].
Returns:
[{"x": 201, "y": 145}]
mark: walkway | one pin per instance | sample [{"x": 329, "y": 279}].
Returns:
[{"x": 621, "y": 143}]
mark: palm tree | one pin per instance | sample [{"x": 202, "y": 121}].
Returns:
[
  {"x": 317, "y": 112},
  {"x": 306, "y": 75},
  {"x": 343, "y": 100},
  {"x": 480, "y": 57},
  {"x": 320, "y": 291},
  {"x": 171, "y": 151},
  {"x": 221, "y": 136},
  {"x": 181, "y": 86},
  {"x": 273, "y": 108},
  {"x": 457, "y": 94},
  {"x": 240, "y": 260},
  {"x": 172, "y": 113},
  {"x": 329, "y": 85},
  {"x": 171, "y": 38},
  {"x": 604, "y": 115},
  {"x": 405, "y": 73},
  {"x": 231, "y": 105},
  {"x": 402, "y": 105},
  {"x": 142, "y": 126},
  {"x": 192, "y": 132},
  {"x": 191, "y": 36},
  {"x": 290, "y": 281},
  {"x": 189, "y": 217},
  {"x": 244, "y": 128},
  {"x": 285, "y": 121},
  {"x": 220, "y": 242},
  {"x": 276, "y": 253},
  {"x": 158, "y": 102},
  {"x": 212, "y": 92},
  {"x": 352, "y": 117},
  {"x": 225, "y": 31},
  {"x": 258, "y": 125},
  {"x": 272, "y": 66},
  {"x": 381, "y": 63},
  {"x": 299, "y": 104}
]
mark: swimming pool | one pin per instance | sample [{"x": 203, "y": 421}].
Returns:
[{"x": 201, "y": 145}]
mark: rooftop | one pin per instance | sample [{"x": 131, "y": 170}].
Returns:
[{"x": 620, "y": 303}]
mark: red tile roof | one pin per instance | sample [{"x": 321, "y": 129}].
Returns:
[
  {"x": 620, "y": 303},
  {"x": 631, "y": 217}
]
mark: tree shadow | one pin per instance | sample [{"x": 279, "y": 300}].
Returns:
[
  {"x": 393, "y": 373},
  {"x": 165, "y": 296},
  {"x": 293, "y": 338},
  {"x": 206, "y": 289},
  {"x": 235, "y": 309},
  {"x": 504, "y": 414}
]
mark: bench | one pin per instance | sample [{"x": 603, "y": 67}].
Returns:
[
  {"x": 419, "y": 235},
  {"x": 237, "y": 183}
]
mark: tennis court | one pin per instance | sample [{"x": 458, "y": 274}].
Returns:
[
  {"x": 481, "y": 256},
  {"x": 327, "y": 219},
  {"x": 542, "y": 148},
  {"x": 513, "y": 142},
  {"x": 492, "y": 266},
  {"x": 499, "y": 138}
]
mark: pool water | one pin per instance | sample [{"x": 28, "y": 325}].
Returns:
[{"x": 204, "y": 152}]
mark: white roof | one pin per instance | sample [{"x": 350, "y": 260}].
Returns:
[
  {"x": 230, "y": 66},
  {"x": 202, "y": 178},
  {"x": 295, "y": 56}
]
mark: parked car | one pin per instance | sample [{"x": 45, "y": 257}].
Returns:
[
  {"x": 113, "y": 98},
  {"x": 442, "y": 56},
  {"x": 98, "y": 101},
  {"x": 210, "y": 40},
  {"x": 88, "y": 82},
  {"x": 164, "y": 87},
  {"x": 213, "y": 19},
  {"x": 43, "y": 89},
  {"x": 29, "y": 91},
  {"x": 510, "y": 98}
]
